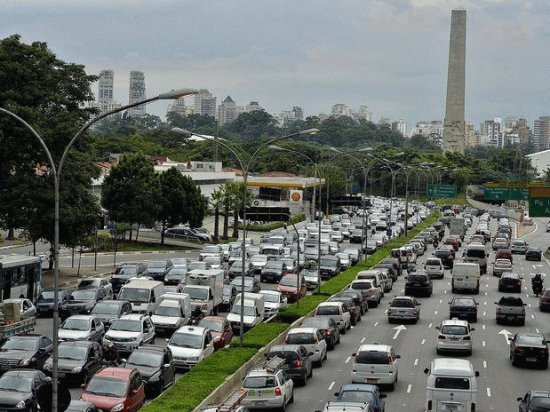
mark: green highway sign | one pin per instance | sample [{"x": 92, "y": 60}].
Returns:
[
  {"x": 441, "y": 191},
  {"x": 539, "y": 201},
  {"x": 506, "y": 193},
  {"x": 519, "y": 193}
]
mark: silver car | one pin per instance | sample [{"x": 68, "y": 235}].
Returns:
[{"x": 404, "y": 308}]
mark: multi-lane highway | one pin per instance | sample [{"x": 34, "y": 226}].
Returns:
[{"x": 500, "y": 383}]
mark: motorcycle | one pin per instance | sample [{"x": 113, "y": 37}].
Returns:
[{"x": 537, "y": 288}]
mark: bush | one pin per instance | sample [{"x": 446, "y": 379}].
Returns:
[
  {"x": 295, "y": 311},
  {"x": 190, "y": 390},
  {"x": 260, "y": 335}
]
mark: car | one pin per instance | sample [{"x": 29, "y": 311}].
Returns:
[
  {"x": 404, "y": 308},
  {"x": 124, "y": 272},
  {"x": 330, "y": 266},
  {"x": 337, "y": 312},
  {"x": 519, "y": 246},
  {"x": 500, "y": 243},
  {"x": 44, "y": 301},
  {"x": 361, "y": 392},
  {"x": 157, "y": 269},
  {"x": 81, "y": 406},
  {"x": 298, "y": 364},
  {"x": 96, "y": 283},
  {"x": 505, "y": 253},
  {"x": 78, "y": 361},
  {"x": 81, "y": 327},
  {"x": 370, "y": 292},
  {"x": 25, "y": 351},
  {"x": 273, "y": 302},
  {"x": 313, "y": 341},
  {"x": 273, "y": 271},
  {"x": 156, "y": 366},
  {"x": 258, "y": 262},
  {"x": 535, "y": 400},
  {"x": 527, "y": 221},
  {"x": 107, "y": 311},
  {"x": 228, "y": 296},
  {"x": 236, "y": 269},
  {"x": 446, "y": 256},
  {"x": 544, "y": 300},
  {"x": 293, "y": 286},
  {"x": 500, "y": 266},
  {"x": 510, "y": 309},
  {"x": 268, "y": 387},
  {"x": 81, "y": 302},
  {"x": 26, "y": 307},
  {"x": 353, "y": 309},
  {"x": 251, "y": 284},
  {"x": 179, "y": 232},
  {"x": 190, "y": 345},
  {"x": 434, "y": 268},
  {"x": 418, "y": 284},
  {"x": 175, "y": 275},
  {"x": 119, "y": 389},
  {"x": 311, "y": 276},
  {"x": 357, "y": 298},
  {"x": 452, "y": 242},
  {"x": 454, "y": 336},
  {"x": 533, "y": 253},
  {"x": 356, "y": 236},
  {"x": 338, "y": 406},
  {"x": 328, "y": 327},
  {"x": 376, "y": 364},
  {"x": 291, "y": 263},
  {"x": 198, "y": 265},
  {"x": 463, "y": 307},
  {"x": 529, "y": 348},
  {"x": 25, "y": 390},
  {"x": 510, "y": 282},
  {"x": 130, "y": 331},
  {"x": 219, "y": 328}
]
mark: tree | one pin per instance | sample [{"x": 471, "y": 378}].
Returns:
[
  {"x": 216, "y": 200},
  {"x": 172, "y": 199},
  {"x": 130, "y": 193},
  {"x": 252, "y": 125}
]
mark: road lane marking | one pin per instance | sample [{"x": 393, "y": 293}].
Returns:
[
  {"x": 486, "y": 285},
  {"x": 537, "y": 330},
  {"x": 485, "y": 303},
  {"x": 349, "y": 358},
  {"x": 532, "y": 316},
  {"x": 362, "y": 340},
  {"x": 486, "y": 293},
  {"x": 423, "y": 341},
  {"x": 435, "y": 313},
  {"x": 430, "y": 326},
  {"x": 415, "y": 362},
  {"x": 331, "y": 385},
  {"x": 484, "y": 364},
  {"x": 488, "y": 392},
  {"x": 398, "y": 330},
  {"x": 440, "y": 300},
  {"x": 445, "y": 291},
  {"x": 376, "y": 323},
  {"x": 529, "y": 305},
  {"x": 483, "y": 327},
  {"x": 484, "y": 313},
  {"x": 409, "y": 387},
  {"x": 386, "y": 311},
  {"x": 483, "y": 343}
]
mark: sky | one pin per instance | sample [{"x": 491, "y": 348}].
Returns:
[{"x": 390, "y": 55}]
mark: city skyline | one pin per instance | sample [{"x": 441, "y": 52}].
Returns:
[{"x": 389, "y": 55}]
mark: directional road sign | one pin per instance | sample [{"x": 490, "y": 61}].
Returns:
[
  {"x": 441, "y": 191},
  {"x": 539, "y": 201}
]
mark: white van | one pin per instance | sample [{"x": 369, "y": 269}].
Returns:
[
  {"x": 465, "y": 277},
  {"x": 173, "y": 311},
  {"x": 476, "y": 253},
  {"x": 143, "y": 294},
  {"x": 272, "y": 251},
  {"x": 451, "y": 386},
  {"x": 434, "y": 268}
]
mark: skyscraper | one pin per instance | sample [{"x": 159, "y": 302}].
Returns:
[
  {"x": 227, "y": 111},
  {"x": 137, "y": 92},
  {"x": 454, "y": 125},
  {"x": 105, "y": 90},
  {"x": 205, "y": 103}
]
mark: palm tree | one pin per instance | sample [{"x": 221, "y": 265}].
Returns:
[{"x": 217, "y": 202}]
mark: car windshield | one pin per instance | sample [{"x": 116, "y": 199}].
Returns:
[
  {"x": 328, "y": 262},
  {"x": 433, "y": 262},
  {"x": 72, "y": 352},
  {"x": 76, "y": 324},
  {"x": 288, "y": 281},
  {"x": 212, "y": 260},
  {"x": 106, "y": 308},
  {"x": 543, "y": 404},
  {"x": 196, "y": 293},
  {"x": 100, "y": 386},
  {"x": 178, "y": 273},
  {"x": 171, "y": 311},
  {"x": 126, "y": 270},
  {"x": 258, "y": 259},
  {"x": 83, "y": 295},
  {"x": 417, "y": 278},
  {"x": 46, "y": 296},
  {"x": 198, "y": 265},
  {"x": 126, "y": 325},
  {"x": 318, "y": 323},
  {"x": 237, "y": 281},
  {"x": 134, "y": 294},
  {"x": 156, "y": 264},
  {"x": 356, "y": 396},
  {"x": 260, "y": 382},
  {"x": 529, "y": 340},
  {"x": 328, "y": 310},
  {"x": 452, "y": 383},
  {"x": 248, "y": 310},
  {"x": 463, "y": 302},
  {"x": 273, "y": 264},
  {"x": 454, "y": 330},
  {"x": 15, "y": 343},
  {"x": 186, "y": 340},
  {"x": 211, "y": 249},
  {"x": 145, "y": 358},
  {"x": 16, "y": 383},
  {"x": 361, "y": 285},
  {"x": 212, "y": 325},
  {"x": 402, "y": 303},
  {"x": 300, "y": 338},
  {"x": 271, "y": 297},
  {"x": 372, "y": 358}
]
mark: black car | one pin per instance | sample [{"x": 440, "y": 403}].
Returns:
[
  {"x": 330, "y": 266},
  {"x": 78, "y": 361},
  {"x": 228, "y": 296},
  {"x": 251, "y": 284},
  {"x": 236, "y": 269},
  {"x": 124, "y": 272},
  {"x": 297, "y": 364},
  {"x": 418, "y": 284},
  {"x": 510, "y": 282},
  {"x": 533, "y": 253},
  {"x": 175, "y": 275},
  {"x": 529, "y": 348},
  {"x": 463, "y": 308},
  {"x": 273, "y": 271},
  {"x": 158, "y": 269},
  {"x": 25, "y": 351},
  {"x": 156, "y": 366},
  {"x": 26, "y": 390},
  {"x": 535, "y": 401},
  {"x": 44, "y": 301},
  {"x": 353, "y": 309},
  {"x": 392, "y": 262},
  {"x": 328, "y": 327},
  {"x": 357, "y": 297},
  {"x": 81, "y": 406},
  {"x": 81, "y": 302},
  {"x": 356, "y": 236},
  {"x": 108, "y": 311},
  {"x": 446, "y": 256}
]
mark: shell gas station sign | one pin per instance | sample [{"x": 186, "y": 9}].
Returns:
[{"x": 296, "y": 196}]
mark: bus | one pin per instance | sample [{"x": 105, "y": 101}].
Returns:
[{"x": 20, "y": 276}]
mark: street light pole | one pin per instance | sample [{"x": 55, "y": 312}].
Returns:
[{"x": 56, "y": 171}]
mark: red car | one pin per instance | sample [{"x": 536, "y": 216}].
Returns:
[
  {"x": 118, "y": 389},
  {"x": 291, "y": 287},
  {"x": 219, "y": 328}
]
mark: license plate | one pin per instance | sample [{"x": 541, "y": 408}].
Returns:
[
  {"x": 417, "y": 285},
  {"x": 530, "y": 359},
  {"x": 259, "y": 402},
  {"x": 43, "y": 309},
  {"x": 371, "y": 380},
  {"x": 452, "y": 407},
  {"x": 455, "y": 339}
]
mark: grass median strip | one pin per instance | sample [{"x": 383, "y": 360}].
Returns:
[
  {"x": 266, "y": 227},
  {"x": 260, "y": 335}
]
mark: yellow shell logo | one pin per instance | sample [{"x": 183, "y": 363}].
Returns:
[{"x": 296, "y": 196}]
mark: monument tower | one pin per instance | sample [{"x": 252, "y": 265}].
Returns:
[{"x": 454, "y": 125}]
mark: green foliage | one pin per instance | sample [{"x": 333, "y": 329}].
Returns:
[
  {"x": 260, "y": 335},
  {"x": 295, "y": 311},
  {"x": 267, "y": 227},
  {"x": 253, "y": 125}
]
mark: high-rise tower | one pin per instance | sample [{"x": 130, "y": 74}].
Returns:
[
  {"x": 105, "y": 90},
  {"x": 137, "y": 92},
  {"x": 454, "y": 125}
]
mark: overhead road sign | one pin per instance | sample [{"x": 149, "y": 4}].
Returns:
[
  {"x": 441, "y": 191},
  {"x": 539, "y": 201},
  {"x": 506, "y": 193}
]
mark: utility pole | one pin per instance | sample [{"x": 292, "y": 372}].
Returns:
[{"x": 215, "y": 140}]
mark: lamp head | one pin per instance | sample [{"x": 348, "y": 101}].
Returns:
[
  {"x": 182, "y": 131},
  {"x": 310, "y": 132},
  {"x": 176, "y": 94}
]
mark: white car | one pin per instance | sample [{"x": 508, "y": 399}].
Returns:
[
  {"x": 190, "y": 345},
  {"x": 273, "y": 302},
  {"x": 267, "y": 388},
  {"x": 81, "y": 327},
  {"x": 313, "y": 341},
  {"x": 434, "y": 268},
  {"x": 375, "y": 364},
  {"x": 454, "y": 335},
  {"x": 335, "y": 311},
  {"x": 130, "y": 331},
  {"x": 345, "y": 260}
]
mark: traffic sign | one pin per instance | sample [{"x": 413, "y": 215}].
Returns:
[
  {"x": 539, "y": 202},
  {"x": 441, "y": 191},
  {"x": 506, "y": 193}
]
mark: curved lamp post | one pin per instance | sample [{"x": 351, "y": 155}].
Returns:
[
  {"x": 57, "y": 170},
  {"x": 245, "y": 168}
]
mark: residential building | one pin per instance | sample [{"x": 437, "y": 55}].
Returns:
[
  {"x": 287, "y": 117},
  {"x": 384, "y": 121},
  {"x": 105, "y": 90},
  {"x": 340, "y": 109},
  {"x": 400, "y": 127},
  {"x": 227, "y": 111},
  {"x": 137, "y": 93},
  {"x": 541, "y": 133},
  {"x": 250, "y": 107},
  {"x": 470, "y": 135},
  {"x": 364, "y": 114},
  {"x": 205, "y": 103},
  {"x": 178, "y": 107},
  {"x": 493, "y": 130}
]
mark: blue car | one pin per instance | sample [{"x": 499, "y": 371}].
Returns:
[{"x": 358, "y": 392}]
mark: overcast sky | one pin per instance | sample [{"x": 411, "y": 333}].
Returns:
[{"x": 390, "y": 55}]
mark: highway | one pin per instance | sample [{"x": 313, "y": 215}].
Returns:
[{"x": 499, "y": 383}]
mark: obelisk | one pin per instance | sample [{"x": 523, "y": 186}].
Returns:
[{"x": 454, "y": 125}]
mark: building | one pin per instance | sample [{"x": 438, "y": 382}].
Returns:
[
  {"x": 178, "y": 107},
  {"x": 470, "y": 136},
  {"x": 252, "y": 106},
  {"x": 492, "y": 129},
  {"x": 541, "y": 133},
  {"x": 205, "y": 103},
  {"x": 454, "y": 125},
  {"x": 340, "y": 109},
  {"x": 105, "y": 90},
  {"x": 364, "y": 114},
  {"x": 227, "y": 111},
  {"x": 384, "y": 121},
  {"x": 137, "y": 93},
  {"x": 400, "y": 127},
  {"x": 287, "y": 117}
]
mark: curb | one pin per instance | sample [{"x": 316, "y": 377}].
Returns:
[{"x": 14, "y": 246}]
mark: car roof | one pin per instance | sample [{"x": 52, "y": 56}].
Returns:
[
  {"x": 192, "y": 330},
  {"x": 404, "y": 297},
  {"x": 454, "y": 322},
  {"x": 452, "y": 367},
  {"x": 285, "y": 348},
  {"x": 337, "y": 406},
  {"x": 302, "y": 330},
  {"x": 81, "y": 317},
  {"x": 359, "y": 387},
  {"x": 117, "y": 373},
  {"x": 133, "y": 316},
  {"x": 152, "y": 348},
  {"x": 22, "y": 372},
  {"x": 374, "y": 347},
  {"x": 84, "y": 343}
]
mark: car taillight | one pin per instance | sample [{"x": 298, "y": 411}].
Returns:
[
  {"x": 286, "y": 339},
  {"x": 429, "y": 405},
  {"x": 390, "y": 360},
  {"x": 519, "y": 282},
  {"x": 315, "y": 339},
  {"x": 328, "y": 332},
  {"x": 519, "y": 349},
  {"x": 441, "y": 337},
  {"x": 298, "y": 363},
  {"x": 499, "y": 311},
  {"x": 278, "y": 391},
  {"x": 523, "y": 311}
]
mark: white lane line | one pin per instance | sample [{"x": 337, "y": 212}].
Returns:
[
  {"x": 415, "y": 362},
  {"x": 488, "y": 392},
  {"x": 484, "y": 313},
  {"x": 486, "y": 293},
  {"x": 362, "y": 340},
  {"x": 440, "y": 300},
  {"x": 529, "y": 305},
  {"x": 483, "y": 327},
  {"x": 435, "y": 313},
  {"x": 376, "y": 323},
  {"x": 445, "y": 291},
  {"x": 482, "y": 344},
  {"x": 331, "y": 385},
  {"x": 537, "y": 330},
  {"x": 430, "y": 326},
  {"x": 402, "y": 291},
  {"x": 486, "y": 285},
  {"x": 349, "y": 358},
  {"x": 484, "y": 364},
  {"x": 532, "y": 316},
  {"x": 423, "y": 341},
  {"x": 485, "y": 303},
  {"x": 448, "y": 283},
  {"x": 409, "y": 387},
  {"x": 386, "y": 311}
]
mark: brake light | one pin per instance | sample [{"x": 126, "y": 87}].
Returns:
[
  {"x": 315, "y": 339},
  {"x": 429, "y": 405},
  {"x": 328, "y": 332},
  {"x": 518, "y": 349},
  {"x": 390, "y": 360},
  {"x": 499, "y": 311},
  {"x": 519, "y": 282},
  {"x": 298, "y": 363},
  {"x": 441, "y": 337},
  {"x": 278, "y": 391},
  {"x": 286, "y": 339}
]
